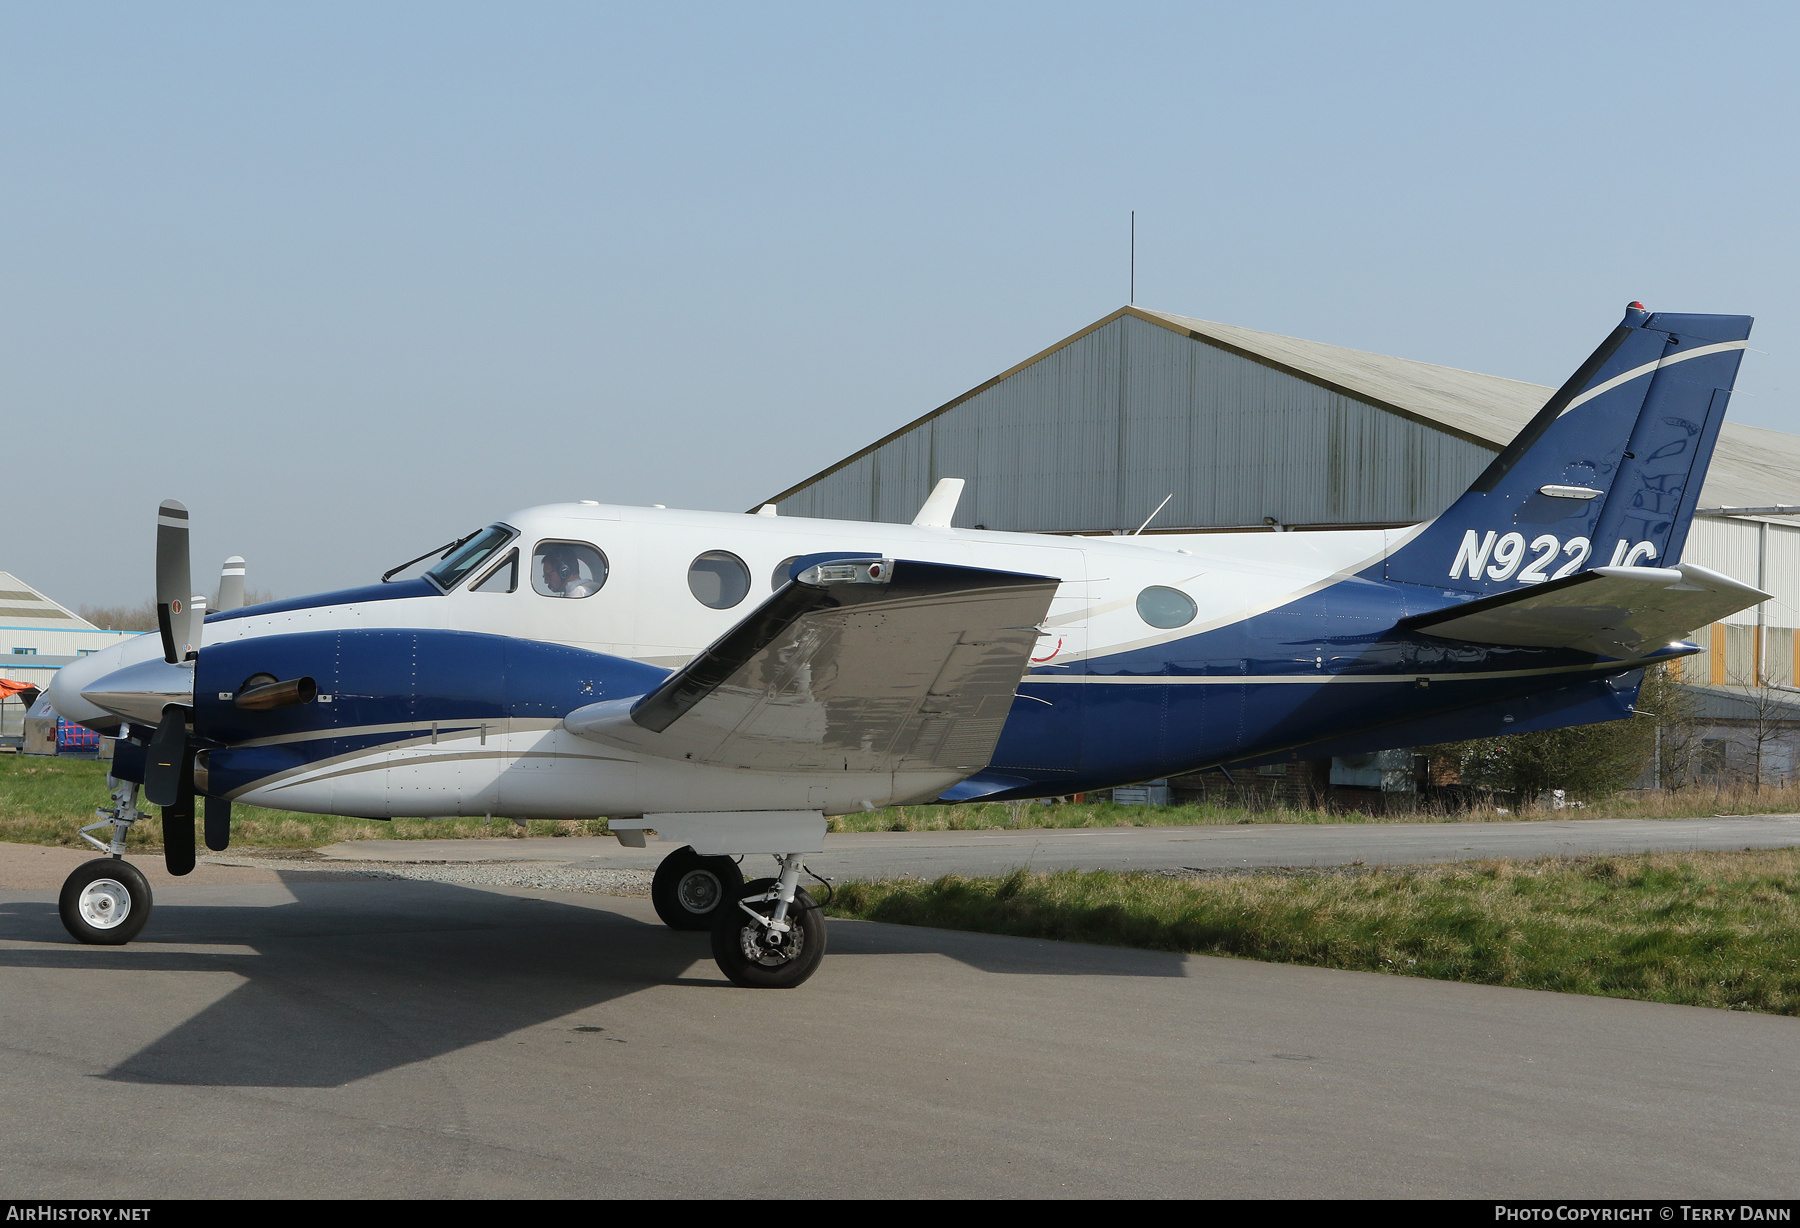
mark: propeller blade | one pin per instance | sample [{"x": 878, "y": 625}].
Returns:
[
  {"x": 173, "y": 587},
  {"x": 218, "y": 823},
  {"x": 178, "y": 824},
  {"x": 231, "y": 584},
  {"x": 169, "y": 783},
  {"x": 168, "y": 760}
]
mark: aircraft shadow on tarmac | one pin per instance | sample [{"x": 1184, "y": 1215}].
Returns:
[{"x": 346, "y": 983}]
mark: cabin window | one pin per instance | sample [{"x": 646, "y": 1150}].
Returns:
[
  {"x": 567, "y": 569},
  {"x": 1166, "y": 607},
  {"x": 780, "y": 575},
  {"x": 718, "y": 579},
  {"x": 502, "y": 579}
]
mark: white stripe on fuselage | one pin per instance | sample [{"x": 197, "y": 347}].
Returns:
[
  {"x": 1667, "y": 360},
  {"x": 1322, "y": 679}
]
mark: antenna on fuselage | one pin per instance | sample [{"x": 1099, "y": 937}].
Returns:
[
  {"x": 940, "y": 506},
  {"x": 1152, "y": 515}
]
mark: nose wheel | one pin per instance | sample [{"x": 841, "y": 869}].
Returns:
[
  {"x": 688, "y": 888},
  {"x": 105, "y": 902}
]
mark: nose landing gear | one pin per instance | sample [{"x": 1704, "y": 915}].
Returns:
[{"x": 106, "y": 901}]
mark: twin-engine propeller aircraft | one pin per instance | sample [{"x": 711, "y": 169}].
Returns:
[{"x": 729, "y": 681}]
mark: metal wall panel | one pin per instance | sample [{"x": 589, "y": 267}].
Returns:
[
  {"x": 1730, "y": 546},
  {"x": 1782, "y": 575},
  {"x": 1093, "y": 436}
]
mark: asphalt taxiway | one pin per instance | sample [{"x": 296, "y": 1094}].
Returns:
[
  {"x": 873, "y": 855},
  {"x": 279, "y": 1033}
]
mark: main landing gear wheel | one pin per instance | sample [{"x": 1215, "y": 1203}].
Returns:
[
  {"x": 757, "y": 957},
  {"x": 105, "y": 902},
  {"x": 688, "y": 888}
]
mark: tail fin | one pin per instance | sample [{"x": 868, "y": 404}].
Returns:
[{"x": 1607, "y": 474}]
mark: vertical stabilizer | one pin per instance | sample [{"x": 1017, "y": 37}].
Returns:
[{"x": 1608, "y": 472}]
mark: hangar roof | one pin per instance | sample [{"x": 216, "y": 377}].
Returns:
[
  {"x": 19, "y": 602},
  {"x": 1751, "y": 467}
]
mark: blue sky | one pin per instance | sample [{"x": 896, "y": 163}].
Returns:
[{"x": 349, "y": 279}]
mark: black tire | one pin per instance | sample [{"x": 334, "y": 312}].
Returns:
[
  {"x": 743, "y": 955},
  {"x": 688, "y": 888},
  {"x": 93, "y": 897}
]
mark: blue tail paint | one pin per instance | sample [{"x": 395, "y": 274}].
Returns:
[{"x": 1608, "y": 473}]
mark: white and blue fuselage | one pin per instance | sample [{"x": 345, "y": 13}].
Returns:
[{"x": 446, "y": 700}]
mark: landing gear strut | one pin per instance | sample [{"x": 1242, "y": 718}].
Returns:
[
  {"x": 105, "y": 902},
  {"x": 689, "y": 889},
  {"x": 772, "y": 936}
]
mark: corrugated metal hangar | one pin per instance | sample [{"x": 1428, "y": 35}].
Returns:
[{"x": 1250, "y": 431}]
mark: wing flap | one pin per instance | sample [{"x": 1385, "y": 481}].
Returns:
[
  {"x": 915, "y": 673},
  {"x": 1618, "y": 612}
]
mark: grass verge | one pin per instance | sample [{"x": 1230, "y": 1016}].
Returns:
[
  {"x": 1706, "y": 929},
  {"x": 43, "y": 800},
  {"x": 1691, "y": 803}
]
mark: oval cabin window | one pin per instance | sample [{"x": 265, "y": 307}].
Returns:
[
  {"x": 1166, "y": 607},
  {"x": 718, "y": 579},
  {"x": 567, "y": 569}
]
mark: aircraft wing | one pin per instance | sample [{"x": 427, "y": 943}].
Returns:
[
  {"x": 865, "y": 664},
  {"x": 1610, "y": 611}
]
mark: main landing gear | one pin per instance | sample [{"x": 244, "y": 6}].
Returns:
[
  {"x": 689, "y": 889},
  {"x": 774, "y": 936},
  {"x": 766, "y": 934},
  {"x": 105, "y": 902}
]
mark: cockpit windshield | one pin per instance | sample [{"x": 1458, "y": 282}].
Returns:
[{"x": 463, "y": 557}]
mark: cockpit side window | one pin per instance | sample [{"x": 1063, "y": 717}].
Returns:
[
  {"x": 567, "y": 569},
  {"x": 502, "y": 579},
  {"x": 461, "y": 561}
]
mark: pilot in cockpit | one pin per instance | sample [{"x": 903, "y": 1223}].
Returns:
[{"x": 562, "y": 573}]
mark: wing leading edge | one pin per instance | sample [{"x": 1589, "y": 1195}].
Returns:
[
  {"x": 1619, "y": 612},
  {"x": 912, "y": 667}
]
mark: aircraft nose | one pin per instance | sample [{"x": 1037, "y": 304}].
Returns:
[{"x": 140, "y": 692}]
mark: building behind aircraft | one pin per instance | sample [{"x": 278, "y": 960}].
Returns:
[{"x": 38, "y": 635}]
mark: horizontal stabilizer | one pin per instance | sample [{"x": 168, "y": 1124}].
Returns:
[
  {"x": 1620, "y": 612},
  {"x": 860, "y": 665}
]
